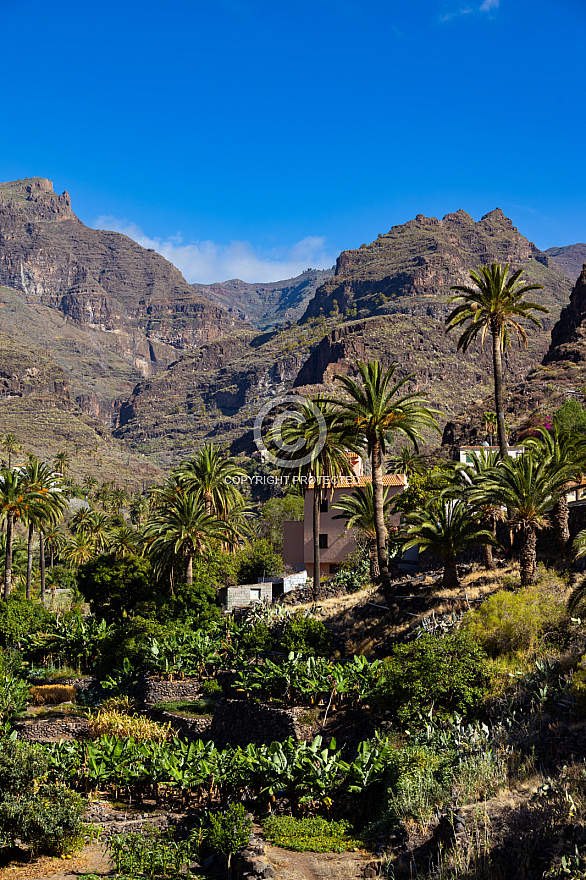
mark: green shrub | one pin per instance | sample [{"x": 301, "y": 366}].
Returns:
[
  {"x": 19, "y": 618},
  {"x": 228, "y": 831},
  {"x": 443, "y": 675},
  {"x": 307, "y": 636},
  {"x": 312, "y": 834},
  {"x": 258, "y": 560},
  {"x": 354, "y": 575},
  {"x": 258, "y": 639},
  {"x": 211, "y": 688},
  {"x": 509, "y": 622}
]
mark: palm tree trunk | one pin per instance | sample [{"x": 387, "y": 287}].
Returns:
[
  {"x": 373, "y": 557},
  {"x": 379, "y": 519},
  {"x": 29, "y": 561},
  {"x": 42, "y": 563},
  {"x": 498, "y": 394},
  {"x": 450, "y": 581},
  {"x": 316, "y": 553},
  {"x": 8, "y": 561},
  {"x": 487, "y": 557},
  {"x": 528, "y": 557},
  {"x": 189, "y": 571},
  {"x": 561, "y": 515}
]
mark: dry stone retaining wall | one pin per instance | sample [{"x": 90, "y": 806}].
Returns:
[
  {"x": 52, "y": 730},
  {"x": 238, "y": 723}
]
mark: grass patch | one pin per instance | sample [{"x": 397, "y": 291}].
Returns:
[
  {"x": 312, "y": 834},
  {"x": 52, "y": 694},
  {"x": 190, "y": 708}
]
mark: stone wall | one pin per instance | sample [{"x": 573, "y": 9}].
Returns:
[
  {"x": 158, "y": 690},
  {"x": 52, "y": 730},
  {"x": 188, "y": 728},
  {"x": 238, "y": 723}
]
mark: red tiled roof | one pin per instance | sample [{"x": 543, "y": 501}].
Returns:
[{"x": 349, "y": 481}]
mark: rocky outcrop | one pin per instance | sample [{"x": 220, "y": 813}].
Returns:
[
  {"x": 568, "y": 337},
  {"x": 569, "y": 259},
  {"x": 98, "y": 279},
  {"x": 412, "y": 266}
]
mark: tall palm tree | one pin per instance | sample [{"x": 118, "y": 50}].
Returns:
[
  {"x": 210, "y": 477},
  {"x": 88, "y": 485},
  {"x": 78, "y": 550},
  {"x": 373, "y": 411},
  {"x": 494, "y": 305},
  {"x": 446, "y": 527},
  {"x": 14, "y": 505},
  {"x": 358, "y": 511},
  {"x": 125, "y": 541},
  {"x": 563, "y": 452},
  {"x": 180, "y": 527},
  {"x": 47, "y": 505},
  {"x": 10, "y": 445},
  {"x": 527, "y": 487},
  {"x": 315, "y": 440}
]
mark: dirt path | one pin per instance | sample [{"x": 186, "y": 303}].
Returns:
[
  {"x": 93, "y": 860},
  {"x": 316, "y": 866}
]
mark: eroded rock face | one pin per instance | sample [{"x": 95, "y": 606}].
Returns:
[
  {"x": 414, "y": 264},
  {"x": 568, "y": 337},
  {"x": 98, "y": 279}
]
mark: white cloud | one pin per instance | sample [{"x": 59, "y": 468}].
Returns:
[
  {"x": 488, "y": 5},
  {"x": 485, "y": 6},
  {"x": 207, "y": 261}
]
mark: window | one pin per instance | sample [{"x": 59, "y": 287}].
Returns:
[
  {"x": 323, "y": 508},
  {"x": 255, "y": 594},
  {"x": 323, "y": 542}
]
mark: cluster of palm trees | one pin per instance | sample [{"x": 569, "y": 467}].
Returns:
[{"x": 34, "y": 495}]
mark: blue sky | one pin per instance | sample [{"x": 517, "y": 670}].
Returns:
[{"x": 254, "y": 138}]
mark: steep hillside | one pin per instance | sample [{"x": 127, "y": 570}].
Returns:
[
  {"x": 264, "y": 305},
  {"x": 570, "y": 258},
  {"x": 101, "y": 280},
  {"x": 411, "y": 267}
]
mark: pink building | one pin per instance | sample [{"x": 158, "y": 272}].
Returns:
[{"x": 336, "y": 542}]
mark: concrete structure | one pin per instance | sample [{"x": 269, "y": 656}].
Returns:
[
  {"x": 468, "y": 452},
  {"x": 245, "y": 594},
  {"x": 336, "y": 542}
]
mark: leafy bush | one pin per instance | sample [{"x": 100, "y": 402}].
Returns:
[
  {"x": 52, "y": 694},
  {"x": 307, "y": 636},
  {"x": 353, "y": 577},
  {"x": 509, "y": 622},
  {"x": 258, "y": 639},
  {"x": 212, "y": 688},
  {"x": 113, "y": 586},
  {"x": 258, "y": 560},
  {"x": 19, "y": 618},
  {"x": 46, "y": 815},
  {"x": 137, "y": 854},
  {"x": 229, "y": 831},
  {"x": 312, "y": 834},
  {"x": 440, "y": 675}
]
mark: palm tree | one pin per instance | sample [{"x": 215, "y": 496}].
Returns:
[
  {"x": 78, "y": 550},
  {"x": 47, "y": 505},
  {"x": 495, "y": 304},
  {"x": 211, "y": 478},
  {"x": 315, "y": 441},
  {"x": 374, "y": 411},
  {"x": 564, "y": 453},
  {"x": 358, "y": 511},
  {"x": 14, "y": 505},
  {"x": 125, "y": 541},
  {"x": 119, "y": 497},
  {"x": 139, "y": 510},
  {"x": 527, "y": 487},
  {"x": 19, "y": 556},
  {"x": 489, "y": 421},
  {"x": 409, "y": 462},
  {"x": 89, "y": 484},
  {"x": 472, "y": 474},
  {"x": 62, "y": 461},
  {"x": 10, "y": 445},
  {"x": 446, "y": 527},
  {"x": 54, "y": 540},
  {"x": 180, "y": 527}
]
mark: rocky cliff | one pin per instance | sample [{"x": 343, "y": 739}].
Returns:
[
  {"x": 411, "y": 267},
  {"x": 101, "y": 280},
  {"x": 570, "y": 258}
]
